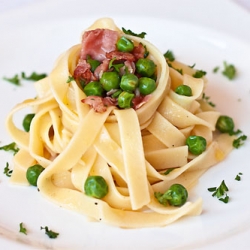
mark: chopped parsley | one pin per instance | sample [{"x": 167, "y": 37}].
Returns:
[
  {"x": 216, "y": 69},
  {"x": 206, "y": 98},
  {"x": 130, "y": 32},
  {"x": 180, "y": 71},
  {"x": 22, "y": 229},
  {"x": 229, "y": 71},
  {"x": 199, "y": 74},
  {"x": 220, "y": 192},
  {"x": 10, "y": 147},
  {"x": 168, "y": 171},
  {"x": 225, "y": 199},
  {"x": 15, "y": 79},
  {"x": 238, "y": 177},
  {"x": 34, "y": 76},
  {"x": 169, "y": 55},
  {"x": 192, "y": 66},
  {"x": 146, "y": 53},
  {"x": 70, "y": 78},
  {"x": 7, "y": 171},
  {"x": 50, "y": 233},
  {"x": 238, "y": 131},
  {"x": 115, "y": 66},
  {"x": 239, "y": 141}
]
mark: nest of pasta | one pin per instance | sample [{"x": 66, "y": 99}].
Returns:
[{"x": 131, "y": 148}]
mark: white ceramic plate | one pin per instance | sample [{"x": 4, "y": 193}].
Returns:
[{"x": 201, "y": 32}]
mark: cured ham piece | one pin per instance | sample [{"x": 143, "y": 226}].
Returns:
[
  {"x": 118, "y": 55},
  {"x": 130, "y": 66},
  {"x": 83, "y": 72},
  {"x": 99, "y": 104},
  {"x": 139, "y": 51},
  {"x": 97, "y": 43},
  {"x": 138, "y": 101},
  {"x": 96, "y": 102},
  {"x": 104, "y": 66}
]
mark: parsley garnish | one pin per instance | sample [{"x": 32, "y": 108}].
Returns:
[
  {"x": 146, "y": 53},
  {"x": 216, "y": 69},
  {"x": 169, "y": 55},
  {"x": 22, "y": 229},
  {"x": 199, "y": 74},
  {"x": 10, "y": 147},
  {"x": 115, "y": 66},
  {"x": 7, "y": 171},
  {"x": 129, "y": 32},
  {"x": 238, "y": 131},
  {"x": 15, "y": 79},
  {"x": 50, "y": 233},
  {"x": 168, "y": 171},
  {"x": 229, "y": 71},
  {"x": 220, "y": 192},
  {"x": 238, "y": 177},
  {"x": 192, "y": 66},
  {"x": 225, "y": 199},
  {"x": 239, "y": 141},
  {"x": 70, "y": 78},
  {"x": 180, "y": 71},
  {"x": 34, "y": 76},
  {"x": 206, "y": 98}
]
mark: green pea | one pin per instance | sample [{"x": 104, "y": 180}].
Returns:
[
  {"x": 125, "y": 100},
  {"x": 124, "y": 44},
  {"x": 225, "y": 124},
  {"x": 27, "y": 121},
  {"x": 183, "y": 90},
  {"x": 33, "y": 173},
  {"x": 146, "y": 85},
  {"x": 196, "y": 144},
  {"x": 176, "y": 195},
  {"x": 96, "y": 186},
  {"x": 93, "y": 88},
  {"x": 145, "y": 67},
  {"x": 110, "y": 80},
  {"x": 129, "y": 82},
  {"x": 93, "y": 63}
]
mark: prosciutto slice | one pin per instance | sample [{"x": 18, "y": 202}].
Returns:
[
  {"x": 99, "y": 104},
  {"x": 118, "y": 55},
  {"x": 138, "y": 101},
  {"x": 97, "y": 43},
  {"x": 139, "y": 51},
  {"x": 83, "y": 72}
]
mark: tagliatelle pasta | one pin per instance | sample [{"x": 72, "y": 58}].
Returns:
[{"x": 130, "y": 148}]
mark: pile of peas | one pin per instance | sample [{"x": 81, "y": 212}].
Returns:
[{"x": 123, "y": 87}]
